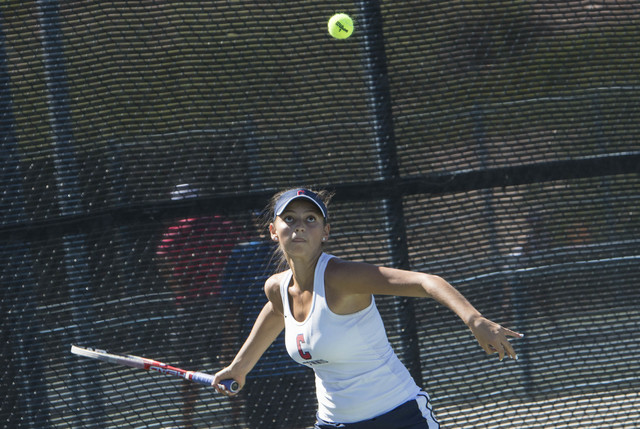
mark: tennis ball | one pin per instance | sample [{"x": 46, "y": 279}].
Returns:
[{"x": 340, "y": 26}]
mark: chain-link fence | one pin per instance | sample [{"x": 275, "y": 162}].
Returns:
[{"x": 494, "y": 143}]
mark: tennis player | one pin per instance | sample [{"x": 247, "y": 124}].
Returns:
[{"x": 327, "y": 308}]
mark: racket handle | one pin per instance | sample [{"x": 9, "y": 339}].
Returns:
[
  {"x": 202, "y": 378},
  {"x": 231, "y": 385},
  {"x": 206, "y": 379}
]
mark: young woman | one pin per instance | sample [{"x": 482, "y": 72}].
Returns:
[{"x": 326, "y": 307}]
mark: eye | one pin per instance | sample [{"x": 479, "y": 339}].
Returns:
[
  {"x": 311, "y": 218},
  {"x": 288, "y": 218}
]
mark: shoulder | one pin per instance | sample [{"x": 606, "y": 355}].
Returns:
[
  {"x": 272, "y": 290},
  {"x": 346, "y": 293},
  {"x": 348, "y": 276},
  {"x": 346, "y": 272}
]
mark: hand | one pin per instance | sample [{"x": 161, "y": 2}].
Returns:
[
  {"x": 227, "y": 374},
  {"x": 493, "y": 337}
]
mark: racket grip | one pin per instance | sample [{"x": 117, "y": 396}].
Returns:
[
  {"x": 207, "y": 379},
  {"x": 202, "y": 378},
  {"x": 231, "y": 385}
]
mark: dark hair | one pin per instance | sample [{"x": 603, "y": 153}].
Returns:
[{"x": 267, "y": 217}]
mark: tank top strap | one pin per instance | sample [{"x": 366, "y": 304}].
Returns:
[
  {"x": 284, "y": 292},
  {"x": 318, "y": 279}
]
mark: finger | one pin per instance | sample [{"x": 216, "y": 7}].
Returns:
[
  {"x": 218, "y": 387},
  {"x": 488, "y": 348},
  {"x": 500, "y": 351},
  {"x": 222, "y": 389},
  {"x": 510, "y": 351},
  {"x": 511, "y": 333}
]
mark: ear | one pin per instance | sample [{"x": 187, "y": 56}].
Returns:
[
  {"x": 272, "y": 232},
  {"x": 327, "y": 229}
]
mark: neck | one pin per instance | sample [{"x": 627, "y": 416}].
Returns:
[{"x": 303, "y": 270}]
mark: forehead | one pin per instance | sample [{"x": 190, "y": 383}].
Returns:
[{"x": 302, "y": 204}]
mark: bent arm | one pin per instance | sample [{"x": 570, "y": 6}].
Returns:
[{"x": 266, "y": 329}]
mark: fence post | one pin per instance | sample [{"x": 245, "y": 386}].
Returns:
[
  {"x": 86, "y": 390},
  {"x": 375, "y": 67},
  {"x": 18, "y": 299}
]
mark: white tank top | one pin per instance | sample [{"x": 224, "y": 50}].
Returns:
[{"x": 358, "y": 375}]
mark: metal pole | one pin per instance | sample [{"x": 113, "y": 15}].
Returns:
[
  {"x": 375, "y": 66},
  {"x": 18, "y": 302},
  {"x": 86, "y": 391}
]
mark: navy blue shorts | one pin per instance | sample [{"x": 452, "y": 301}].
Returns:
[{"x": 414, "y": 414}]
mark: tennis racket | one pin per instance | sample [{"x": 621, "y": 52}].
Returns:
[{"x": 152, "y": 365}]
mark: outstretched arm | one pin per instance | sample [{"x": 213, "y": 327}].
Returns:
[
  {"x": 364, "y": 279},
  {"x": 492, "y": 337}
]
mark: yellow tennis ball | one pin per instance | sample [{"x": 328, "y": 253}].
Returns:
[{"x": 340, "y": 26}]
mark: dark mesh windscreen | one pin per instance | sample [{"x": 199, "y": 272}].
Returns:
[{"x": 493, "y": 143}]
